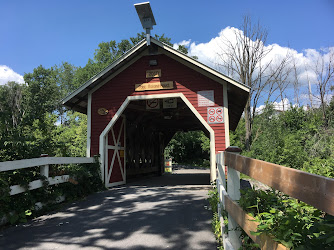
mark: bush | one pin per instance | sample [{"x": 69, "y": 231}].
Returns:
[{"x": 292, "y": 223}]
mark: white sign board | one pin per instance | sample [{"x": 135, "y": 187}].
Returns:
[
  {"x": 216, "y": 115},
  {"x": 169, "y": 103},
  {"x": 152, "y": 104},
  {"x": 205, "y": 98}
]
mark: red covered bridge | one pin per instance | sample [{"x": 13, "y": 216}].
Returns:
[{"x": 136, "y": 105}]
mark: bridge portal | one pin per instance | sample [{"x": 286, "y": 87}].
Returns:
[{"x": 136, "y": 105}]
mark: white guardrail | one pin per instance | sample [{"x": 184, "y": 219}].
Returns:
[{"x": 43, "y": 163}]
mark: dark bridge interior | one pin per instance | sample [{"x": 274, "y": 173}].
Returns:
[{"x": 148, "y": 131}]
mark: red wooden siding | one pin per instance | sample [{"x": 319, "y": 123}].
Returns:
[{"x": 187, "y": 81}]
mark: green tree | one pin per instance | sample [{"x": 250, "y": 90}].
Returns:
[
  {"x": 191, "y": 147},
  {"x": 296, "y": 138},
  {"x": 42, "y": 94},
  {"x": 72, "y": 135},
  {"x": 32, "y": 119}
]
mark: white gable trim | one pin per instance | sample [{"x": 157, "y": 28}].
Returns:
[
  {"x": 200, "y": 65},
  {"x": 103, "y": 72},
  {"x": 167, "y": 48}
]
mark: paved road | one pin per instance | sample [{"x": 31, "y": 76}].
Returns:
[{"x": 168, "y": 212}]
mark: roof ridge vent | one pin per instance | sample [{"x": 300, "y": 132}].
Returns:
[{"x": 146, "y": 17}]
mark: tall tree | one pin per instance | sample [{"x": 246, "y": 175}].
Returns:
[
  {"x": 323, "y": 67},
  {"x": 42, "y": 94},
  {"x": 24, "y": 132},
  {"x": 243, "y": 56}
]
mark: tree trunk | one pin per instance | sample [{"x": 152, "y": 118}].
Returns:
[
  {"x": 323, "y": 108},
  {"x": 248, "y": 136}
]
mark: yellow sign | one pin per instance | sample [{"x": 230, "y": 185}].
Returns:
[
  {"x": 102, "y": 111},
  {"x": 168, "y": 169},
  {"x": 121, "y": 153},
  {"x": 154, "y": 86},
  {"x": 153, "y": 73}
]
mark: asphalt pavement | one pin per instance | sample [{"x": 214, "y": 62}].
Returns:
[{"x": 167, "y": 212}]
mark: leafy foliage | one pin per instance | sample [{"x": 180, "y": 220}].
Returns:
[
  {"x": 215, "y": 222},
  {"x": 303, "y": 140},
  {"x": 191, "y": 147},
  {"x": 294, "y": 138},
  {"x": 291, "y": 222}
]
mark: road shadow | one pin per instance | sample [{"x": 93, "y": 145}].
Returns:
[{"x": 167, "y": 212}]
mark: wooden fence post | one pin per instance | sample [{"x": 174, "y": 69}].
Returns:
[{"x": 233, "y": 190}]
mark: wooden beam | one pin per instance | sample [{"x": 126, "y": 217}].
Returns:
[
  {"x": 247, "y": 223},
  {"x": 312, "y": 189}
]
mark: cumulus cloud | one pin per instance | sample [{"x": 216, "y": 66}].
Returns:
[
  {"x": 7, "y": 75},
  {"x": 278, "y": 106},
  {"x": 210, "y": 53},
  {"x": 183, "y": 43}
]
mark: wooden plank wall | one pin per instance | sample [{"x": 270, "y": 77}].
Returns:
[{"x": 187, "y": 81}]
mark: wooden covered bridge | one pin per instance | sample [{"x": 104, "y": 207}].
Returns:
[{"x": 136, "y": 105}]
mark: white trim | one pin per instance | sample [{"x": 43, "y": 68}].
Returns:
[
  {"x": 226, "y": 118},
  {"x": 16, "y": 189},
  {"x": 106, "y": 130},
  {"x": 34, "y": 162},
  {"x": 160, "y": 96},
  {"x": 200, "y": 65},
  {"x": 124, "y": 160},
  {"x": 111, "y": 166},
  {"x": 89, "y": 124},
  {"x": 120, "y": 70},
  {"x": 132, "y": 51},
  {"x": 103, "y": 72},
  {"x": 116, "y": 154},
  {"x": 105, "y": 169},
  {"x": 108, "y": 185},
  {"x": 113, "y": 147}
]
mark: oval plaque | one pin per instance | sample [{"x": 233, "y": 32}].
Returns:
[{"x": 102, "y": 111}]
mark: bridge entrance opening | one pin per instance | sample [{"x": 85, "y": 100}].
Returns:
[
  {"x": 188, "y": 149},
  {"x": 134, "y": 142}
]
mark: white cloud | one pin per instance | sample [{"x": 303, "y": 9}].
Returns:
[
  {"x": 207, "y": 53},
  {"x": 304, "y": 61},
  {"x": 7, "y": 74},
  {"x": 278, "y": 106},
  {"x": 184, "y": 43}
]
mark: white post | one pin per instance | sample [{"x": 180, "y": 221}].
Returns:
[
  {"x": 89, "y": 124},
  {"x": 233, "y": 191},
  {"x": 44, "y": 170},
  {"x": 213, "y": 168}
]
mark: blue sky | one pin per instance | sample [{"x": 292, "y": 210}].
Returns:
[{"x": 49, "y": 32}]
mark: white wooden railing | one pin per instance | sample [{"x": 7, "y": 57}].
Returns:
[{"x": 43, "y": 163}]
